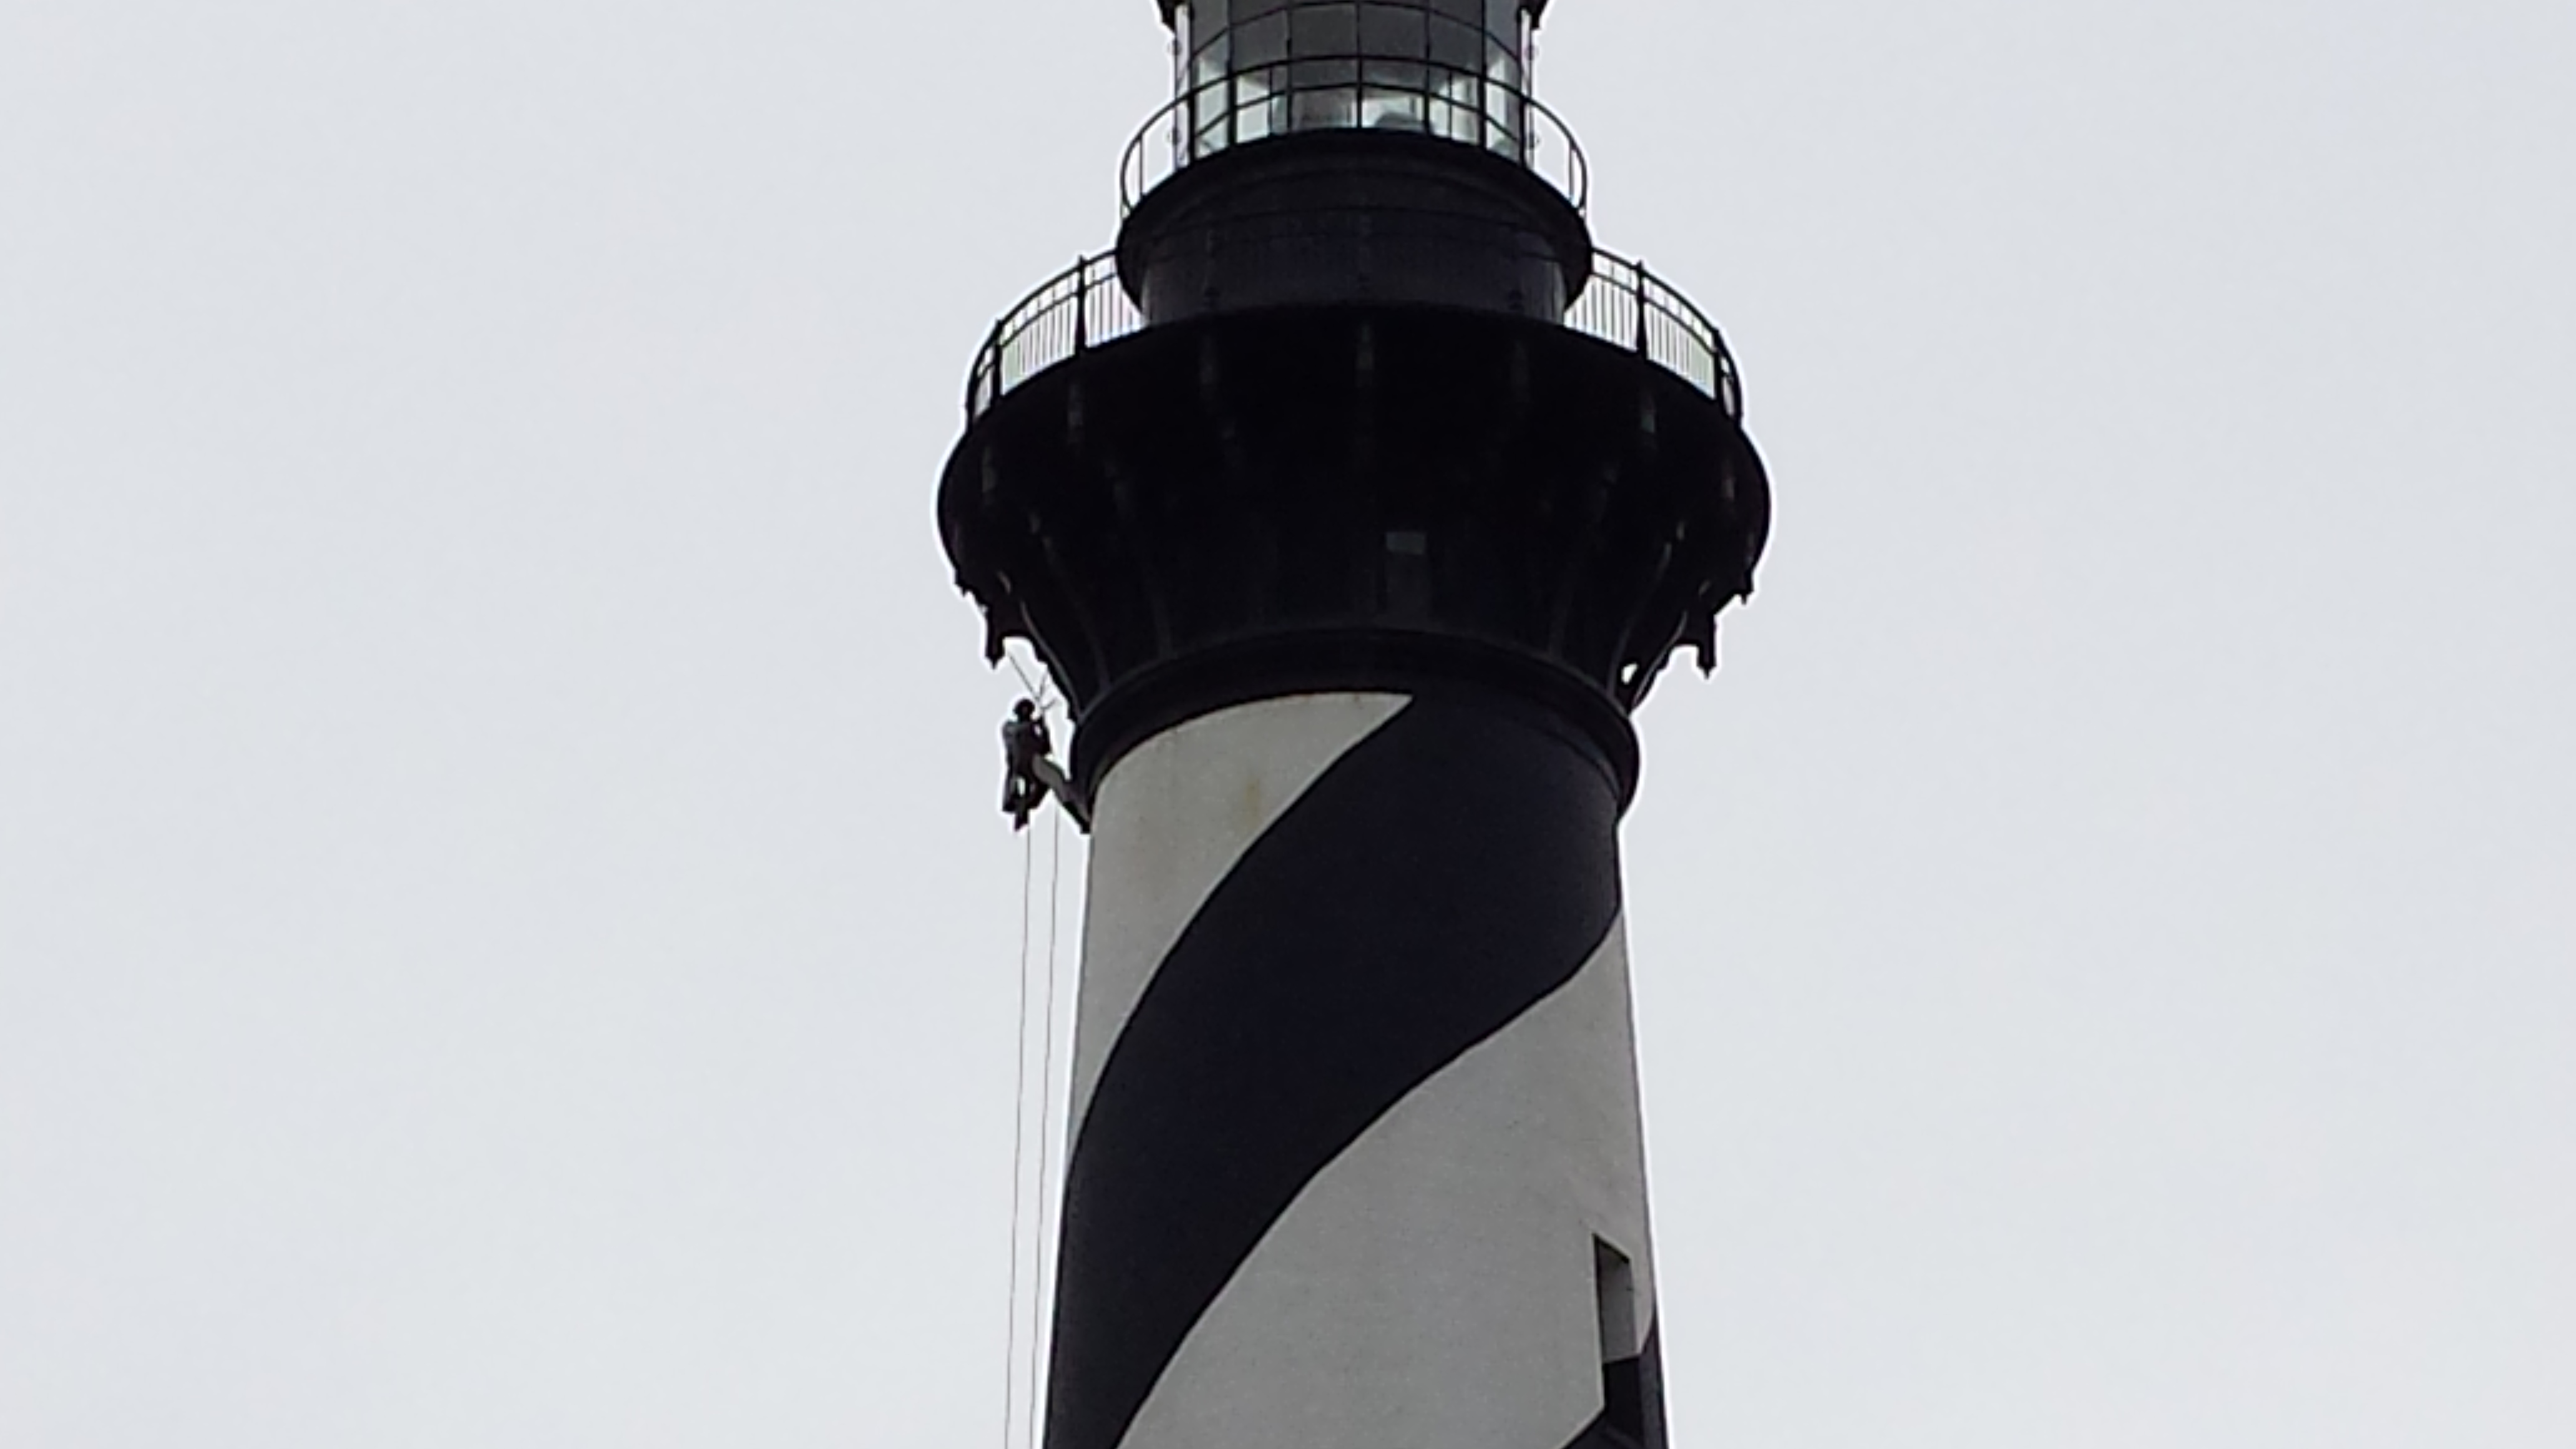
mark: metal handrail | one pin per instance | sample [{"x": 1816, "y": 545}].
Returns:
[
  {"x": 1079, "y": 308},
  {"x": 1417, "y": 96},
  {"x": 1085, "y": 306},
  {"x": 1632, "y": 307}
]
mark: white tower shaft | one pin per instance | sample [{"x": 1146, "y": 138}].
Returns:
[{"x": 1357, "y": 1158}]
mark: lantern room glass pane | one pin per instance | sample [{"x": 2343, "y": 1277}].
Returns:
[
  {"x": 1393, "y": 32},
  {"x": 1261, "y": 104},
  {"x": 1316, "y": 75},
  {"x": 1324, "y": 30},
  {"x": 1504, "y": 121},
  {"x": 1209, "y": 107},
  {"x": 1457, "y": 48},
  {"x": 1261, "y": 43},
  {"x": 1391, "y": 99}
]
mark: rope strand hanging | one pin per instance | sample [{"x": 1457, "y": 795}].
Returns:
[
  {"x": 1050, "y": 1145},
  {"x": 1040, "y": 998},
  {"x": 1019, "y": 1149}
]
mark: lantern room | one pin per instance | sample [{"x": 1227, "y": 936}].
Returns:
[{"x": 1251, "y": 69}]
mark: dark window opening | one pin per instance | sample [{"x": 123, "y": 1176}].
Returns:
[{"x": 1623, "y": 1369}]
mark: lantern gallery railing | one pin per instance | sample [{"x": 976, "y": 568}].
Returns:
[
  {"x": 1356, "y": 95},
  {"x": 1086, "y": 307},
  {"x": 1630, "y": 306}
]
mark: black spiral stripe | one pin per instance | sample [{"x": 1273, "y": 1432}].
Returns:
[
  {"x": 1651, "y": 1376},
  {"x": 1447, "y": 874}
]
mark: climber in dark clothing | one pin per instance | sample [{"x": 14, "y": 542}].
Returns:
[
  {"x": 1024, "y": 743},
  {"x": 1030, "y": 771}
]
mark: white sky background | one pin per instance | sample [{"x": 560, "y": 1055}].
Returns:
[{"x": 505, "y": 941}]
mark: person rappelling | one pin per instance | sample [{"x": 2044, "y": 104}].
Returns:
[{"x": 1030, "y": 773}]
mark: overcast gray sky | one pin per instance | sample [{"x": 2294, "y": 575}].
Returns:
[{"x": 504, "y": 938}]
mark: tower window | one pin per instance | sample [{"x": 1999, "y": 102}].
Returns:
[{"x": 1623, "y": 1375}]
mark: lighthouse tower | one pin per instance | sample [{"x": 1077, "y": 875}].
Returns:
[{"x": 1355, "y": 500}]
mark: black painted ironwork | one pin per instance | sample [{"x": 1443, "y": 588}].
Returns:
[
  {"x": 1085, "y": 306},
  {"x": 1356, "y": 402},
  {"x": 1079, "y": 308},
  {"x": 1630, "y": 305}
]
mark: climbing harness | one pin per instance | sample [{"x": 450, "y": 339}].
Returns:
[{"x": 1029, "y": 771}]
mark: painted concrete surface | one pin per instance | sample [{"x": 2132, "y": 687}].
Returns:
[
  {"x": 1434, "y": 1287},
  {"x": 1171, "y": 819}
]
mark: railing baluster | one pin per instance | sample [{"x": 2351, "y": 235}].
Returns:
[
  {"x": 1081, "y": 305},
  {"x": 1640, "y": 290}
]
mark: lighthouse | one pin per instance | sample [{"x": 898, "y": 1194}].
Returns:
[{"x": 1355, "y": 500}]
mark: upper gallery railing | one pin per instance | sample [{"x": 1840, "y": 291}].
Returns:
[
  {"x": 1086, "y": 307},
  {"x": 1356, "y": 95}
]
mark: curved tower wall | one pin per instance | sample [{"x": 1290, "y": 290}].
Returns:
[
  {"x": 1357, "y": 1157},
  {"x": 1353, "y": 555}
]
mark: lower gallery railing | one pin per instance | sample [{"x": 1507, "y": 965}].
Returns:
[{"x": 1085, "y": 307}]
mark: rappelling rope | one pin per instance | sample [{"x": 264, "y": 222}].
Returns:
[
  {"x": 1019, "y": 1147},
  {"x": 1027, "y": 1371},
  {"x": 1040, "y": 688},
  {"x": 1048, "y": 1156}
]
